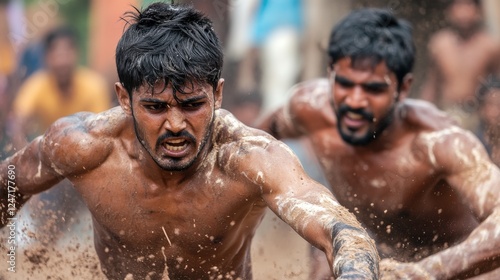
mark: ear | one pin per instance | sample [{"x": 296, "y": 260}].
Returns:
[
  {"x": 123, "y": 98},
  {"x": 218, "y": 94},
  {"x": 404, "y": 90}
]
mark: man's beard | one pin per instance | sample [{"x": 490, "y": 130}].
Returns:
[
  {"x": 371, "y": 134},
  {"x": 174, "y": 163}
]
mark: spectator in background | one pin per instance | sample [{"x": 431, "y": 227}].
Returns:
[
  {"x": 275, "y": 40},
  {"x": 59, "y": 89},
  {"x": 489, "y": 117},
  {"x": 460, "y": 55}
]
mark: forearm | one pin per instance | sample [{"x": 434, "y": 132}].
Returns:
[
  {"x": 328, "y": 226},
  {"x": 354, "y": 253},
  {"x": 477, "y": 253},
  {"x": 22, "y": 175}
]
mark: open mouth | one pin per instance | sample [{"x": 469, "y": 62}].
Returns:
[
  {"x": 353, "y": 120},
  {"x": 354, "y": 116},
  {"x": 175, "y": 145}
]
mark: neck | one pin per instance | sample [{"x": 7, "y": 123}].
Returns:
[{"x": 466, "y": 34}]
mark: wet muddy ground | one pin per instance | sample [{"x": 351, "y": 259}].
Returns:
[{"x": 277, "y": 252}]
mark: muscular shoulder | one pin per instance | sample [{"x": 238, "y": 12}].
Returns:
[
  {"x": 437, "y": 137},
  {"x": 424, "y": 116},
  {"x": 245, "y": 151},
  {"x": 80, "y": 142},
  {"x": 310, "y": 104}
]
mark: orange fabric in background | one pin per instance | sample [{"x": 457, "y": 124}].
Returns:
[
  {"x": 7, "y": 56},
  {"x": 105, "y": 30}
]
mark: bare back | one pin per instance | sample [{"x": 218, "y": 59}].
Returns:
[{"x": 398, "y": 191}]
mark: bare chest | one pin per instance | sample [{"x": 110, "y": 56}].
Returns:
[
  {"x": 380, "y": 181},
  {"x": 396, "y": 194},
  {"x": 186, "y": 218}
]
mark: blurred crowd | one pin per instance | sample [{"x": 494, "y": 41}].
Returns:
[
  {"x": 52, "y": 65},
  {"x": 270, "y": 45}
]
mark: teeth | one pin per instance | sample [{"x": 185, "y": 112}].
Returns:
[
  {"x": 176, "y": 141},
  {"x": 354, "y": 116},
  {"x": 174, "y": 148}
]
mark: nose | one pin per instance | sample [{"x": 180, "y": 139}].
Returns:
[
  {"x": 175, "y": 121},
  {"x": 356, "y": 98}
]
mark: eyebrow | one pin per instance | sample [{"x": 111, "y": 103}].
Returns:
[
  {"x": 187, "y": 100},
  {"x": 377, "y": 85}
]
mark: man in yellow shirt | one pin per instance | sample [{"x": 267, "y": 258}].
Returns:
[{"x": 61, "y": 88}]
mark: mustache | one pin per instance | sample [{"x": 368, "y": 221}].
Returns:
[
  {"x": 170, "y": 134},
  {"x": 343, "y": 109}
]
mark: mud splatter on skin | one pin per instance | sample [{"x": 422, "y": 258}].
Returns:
[
  {"x": 316, "y": 97},
  {"x": 478, "y": 170},
  {"x": 430, "y": 139},
  {"x": 303, "y": 212},
  {"x": 485, "y": 241},
  {"x": 353, "y": 248}
]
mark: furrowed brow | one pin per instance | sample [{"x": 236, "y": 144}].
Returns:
[
  {"x": 151, "y": 100},
  {"x": 193, "y": 99}
]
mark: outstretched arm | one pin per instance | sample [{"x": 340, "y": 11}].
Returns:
[
  {"x": 471, "y": 173},
  {"x": 477, "y": 179},
  {"x": 68, "y": 148},
  {"x": 312, "y": 211},
  {"x": 25, "y": 173}
]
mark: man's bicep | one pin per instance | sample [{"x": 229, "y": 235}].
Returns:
[
  {"x": 480, "y": 187},
  {"x": 472, "y": 174}
]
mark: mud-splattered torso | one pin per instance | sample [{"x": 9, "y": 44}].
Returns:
[
  {"x": 209, "y": 217},
  {"x": 397, "y": 192}
]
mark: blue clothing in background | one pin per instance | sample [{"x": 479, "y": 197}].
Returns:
[{"x": 273, "y": 14}]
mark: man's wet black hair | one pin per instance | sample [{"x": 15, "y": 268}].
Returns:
[
  {"x": 170, "y": 43},
  {"x": 376, "y": 35}
]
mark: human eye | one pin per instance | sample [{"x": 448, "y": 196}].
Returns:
[
  {"x": 192, "y": 105},
  {"x": 154, "y": 107},
  {"x": 375, "y": 89},
  {"x": 343, "y": 82}
]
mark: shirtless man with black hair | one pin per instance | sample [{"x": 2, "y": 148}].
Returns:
[
  {"x": 177, "y": 186},
  {"x": 423, "y": 187}
]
